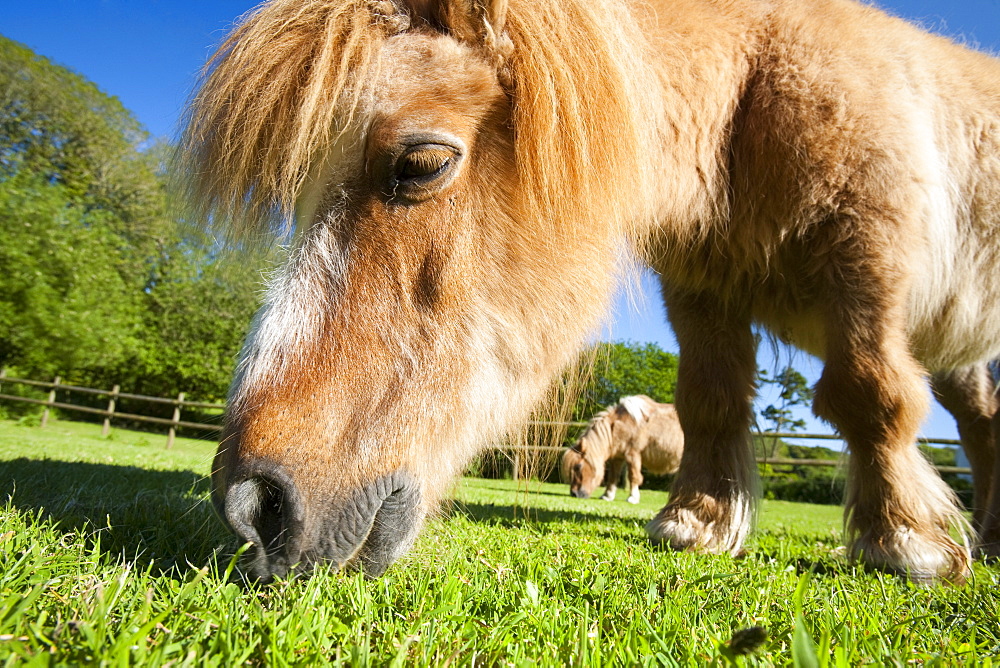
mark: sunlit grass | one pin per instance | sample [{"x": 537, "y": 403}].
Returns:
[{"x": 110, "y": 554}]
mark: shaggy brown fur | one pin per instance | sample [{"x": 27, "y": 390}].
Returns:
[
  {"x": 636, "y": 431},
  {"x": 466, "y": 177}
]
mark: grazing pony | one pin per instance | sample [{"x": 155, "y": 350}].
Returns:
[
  {"x": 464, "y": 179},
  {"x": 636, "y": 431}
]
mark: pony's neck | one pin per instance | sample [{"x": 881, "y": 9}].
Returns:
[{"x": 615, "y": 448}]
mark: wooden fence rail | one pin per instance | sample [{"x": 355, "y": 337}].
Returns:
[
  {"x": 180, "y": 402},
  {"x": 115, "y": 395}
]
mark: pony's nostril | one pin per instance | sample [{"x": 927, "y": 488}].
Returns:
[
  {"x": 368, "y": 528},
  {"x": 265, "y": 510},
  {"x": 268, "y": 520}
]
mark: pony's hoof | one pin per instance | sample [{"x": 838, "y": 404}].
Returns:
[
  {"x": 633, "y": 499},
  {"x": 681, "y": 528},
  {"x": 922, "y": 559}
]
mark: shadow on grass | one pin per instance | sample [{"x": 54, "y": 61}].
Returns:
[
  {"x": 160, "y": 519},
  {"x": 822, "y": 566},
  {"x": 164, "y": 519},
  {"x": 514, "y": 516}
]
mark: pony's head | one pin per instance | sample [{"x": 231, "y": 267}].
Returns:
[
  {"x": 583, "y": 464},
  {"x": 459, "y": 207}
]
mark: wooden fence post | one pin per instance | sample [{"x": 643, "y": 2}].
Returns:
[
  {"x": 111, "y": 411},
  {"x": 52, "y": 400},
  {"x": 176, "y": 419}
]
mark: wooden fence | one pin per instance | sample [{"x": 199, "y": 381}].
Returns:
[
  {"x": 114, "y": 395},
  {"x": 180, "y": 403}
]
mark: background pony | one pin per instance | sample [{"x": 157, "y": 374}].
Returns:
[
  {"x": 465, "y": 179},
  {"x": 636, "y": 431}
]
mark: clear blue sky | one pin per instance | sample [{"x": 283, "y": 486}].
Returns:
[{"x": 148, "y": 53}]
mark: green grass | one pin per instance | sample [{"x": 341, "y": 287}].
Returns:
[{"x": 110, "y": 554}]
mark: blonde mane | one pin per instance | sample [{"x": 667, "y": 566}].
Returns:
[
  {"x": 597, "y": 433},
  {"x": 291, "y": 76}
]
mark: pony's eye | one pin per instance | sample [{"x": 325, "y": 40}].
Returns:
[
  {"x": 423, "y": 161},
  {"x": 422, "y": 171}
]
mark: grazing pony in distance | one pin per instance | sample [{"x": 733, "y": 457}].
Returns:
[
  {"x": 636, "y": 431},
  {"x": 464, "y": 180}
]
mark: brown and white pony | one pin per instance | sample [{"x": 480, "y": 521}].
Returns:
[
  {"x": 464, "y": 179},
  {"x": 636, "y": 431}
]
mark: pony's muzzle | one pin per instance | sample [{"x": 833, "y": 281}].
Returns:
[{"x": 374, "y": 526}]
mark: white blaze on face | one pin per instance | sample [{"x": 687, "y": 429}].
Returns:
[{"x": 308, "y": 282}]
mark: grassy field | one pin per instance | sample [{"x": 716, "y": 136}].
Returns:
[{"x": 110, "y": 554}]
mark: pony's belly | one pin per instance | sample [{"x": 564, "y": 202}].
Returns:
[
  {"x": 657, "y": 462},
  {"x": 959, "y": 332},
  {"x": 799, "y": 329}
]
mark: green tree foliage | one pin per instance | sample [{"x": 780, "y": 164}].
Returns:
[
  {"x": 63, "y": 303},
  {"x": 97, "y": 283},
  {"x": 621, "y": 369},
  {"x": 196, "y": 310},
  {"x": 60, "y": 127},
  {"x": 76, "y": 202}
]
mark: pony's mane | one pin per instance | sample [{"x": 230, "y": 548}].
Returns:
[
  {"x": 291, "y": 75},
  {"x": 595, "y": 435},
  {"x": 600, "y": 416},
  {"x": 597, "y": 431},
  {"x": 269, "y": 99},
  {"x": 637, "y": 407}
]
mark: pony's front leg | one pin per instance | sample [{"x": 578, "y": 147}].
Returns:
[
  {"x": 969, "y": 395},
  {"x": 614, "y": 474},
  {"x": 634, "y": 460},
  {"x": 899, "y": 513},
  {"x": 713, "y": 496}
]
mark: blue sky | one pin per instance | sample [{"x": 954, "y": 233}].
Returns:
[{"x": 148, "y": 53}]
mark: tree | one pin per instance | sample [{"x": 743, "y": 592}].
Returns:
[
  {"x": 794, "y": 392},
  {"x": 197, "y": 308},
  {"x": 614, "y": 370},
  {"x": 97, "y": 282},
  {"x": 77, "y": 203},
  {"x": 59, "y": 126},
  {"x": 64, "y": 306}
]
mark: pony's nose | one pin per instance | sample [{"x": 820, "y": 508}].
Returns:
[
  {"x": 579, "y": 493},
  {"x": 369, "y": 529}
]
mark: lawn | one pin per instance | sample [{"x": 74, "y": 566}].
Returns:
[{"x": 110, "y": 554}]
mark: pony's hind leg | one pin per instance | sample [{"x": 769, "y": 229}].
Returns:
[
  {"x": 969, "y": 395},
  {"x": 899, "y": 513},
  {"x": 712, "y": 498},
  {"x": 989, "y": 533}
]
